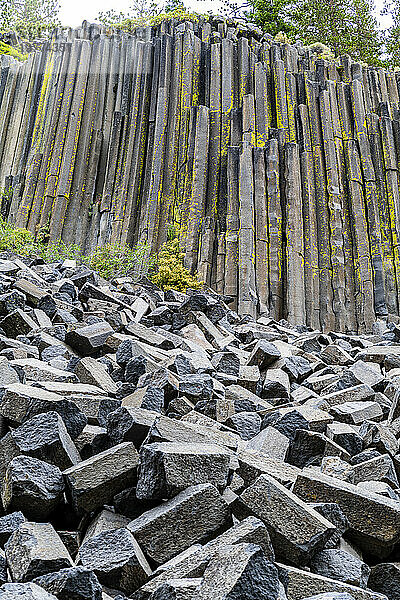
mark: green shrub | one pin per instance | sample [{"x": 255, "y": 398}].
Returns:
[
  {"x": 171, "y": 273},
  {"x": 282, "y": 38},
  {"x": 322, "y": 51},
  {"x": 17, "y": 240},
  {"x": 118, "y": 260},
  {"x": 110, "y": 261}
]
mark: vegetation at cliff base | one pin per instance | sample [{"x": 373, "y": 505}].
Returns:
[
  {"x": 166, "y": 269},
  {"x": 171, "y": 273}
]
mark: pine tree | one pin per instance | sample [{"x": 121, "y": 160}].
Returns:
[
  {"x": 392, "y": 34},
  {"x": 346, "y": 26},
  {"x": 28, "y": 17}
]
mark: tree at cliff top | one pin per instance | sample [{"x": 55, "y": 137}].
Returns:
[
  {"x": 140, "y": 11},
  {"x": 392, "y": 34},
  {"x": 28, "y": 17},
  {"x": 273, "y": 16},
  {"x": 346, "y": 26}
]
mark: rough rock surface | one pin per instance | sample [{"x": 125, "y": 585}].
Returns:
[{"x": 258, "y": 459}]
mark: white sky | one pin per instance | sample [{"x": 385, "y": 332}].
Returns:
[{"x": 73, "y": 12}]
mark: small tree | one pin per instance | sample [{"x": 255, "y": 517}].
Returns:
[
  {"x": 273, "y": 16},
  {"x": 346, "y": 26},
  {"x": 392, "y": 34},
  {"x": 28, "y": 17}
]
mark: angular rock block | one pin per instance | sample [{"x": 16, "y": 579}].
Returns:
[
  {"x": 340, "y": 565},
  {"x": 35, "y": 549},
  {"x": 263, "y": 355},
  {"x": 177, "y": 589},
  {"x": 75, "y": 583},
  {"x": 303, "y": 585},
  {"x": 193, "y": 561},
  {"x": 37, "y": 370},
  {"x": 282, "y": 512},
  {"x": 239, "y": 571},
  {"x": 44, "y": 437},
  {"x": 95, "y": 481},
  {"x": 93, "y": 372},
  {"x": 373, "y": 519},
  {"x": 8, "y": 524},
  {"x": 385, "y": 578},
  {"x": 21, "y": 402},
  {"x": 24, "y": 591},
  {"x": 191, "y": 516},
  {"x": 168, "y": 468},
  {"x": 116, "y": 559},
  {"x": 87, "y": 340},
  {"x": 33, "y": 487},
  {"x": 127, "y": 424}
]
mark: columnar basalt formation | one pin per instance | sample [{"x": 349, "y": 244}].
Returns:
[{"x": 280, "y": 169}]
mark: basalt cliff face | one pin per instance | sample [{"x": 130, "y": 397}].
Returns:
[{"x": 281, "y": 169}]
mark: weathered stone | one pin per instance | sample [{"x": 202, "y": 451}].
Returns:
[
  {"x": 116, "y": 559},
  {"x": 282, "y": 511},
  {"x": 76, "y": 583},
  {"x": 200, "y": 512},
  {"x": 263, "y": 355},
  {"x": 346, "y": 436},
  {"x": 149, "y": 398},
  {"x": 37, "y": 370},
  {"x": 8, "y": 375},
  {"x": 357, "y": 393},
  {"x": 240, "y": 571},
  {"x": 20, "y": 402},
  {"x": 287, "y": 423},
  {"x": 336, "y": 355},
  {"x": 247, "y": 424},
  {"x": 165, "y": 429},
  {"x": 44, "y": 437},
  {"x": 33, "y": 487},
  {"x": 91, "y": 371},
  {"x": 226, "y": 362},
  {"x": 17, "y": 323},
  {"x": 106, "y": 520},
  {"x": 177, "y": 589},
  {"x": 24, "y": 591},
  {"x": 88, "y": 339},
  {"x": 334, "y": 514},
  {"x": 193, "y": 561},
  {"x": 253, "y": 464},
  {"x": 270, "y": 442},
  {"x": 92, "y": 440},
  {"x": 35, "y": 549},
  {"x": 303, "y": 585},
  {"x": 374, "y": 520},
  {"x": 168, "y": 468},
  {"x": 128, "y": 424},
  {"x": 338, "y": 564},
  {"x": 8, "y": 524},
  {"x": 308, "y": 446},
  {"x": 368, "y": 373},
  {"x": 357, "y": 412},
  {"x": 196, "y": 387},
  {"x": 94, "y": 481},
  {"x": 385, "y": 578}
]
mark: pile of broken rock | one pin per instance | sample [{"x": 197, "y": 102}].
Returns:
[{"x": 157, "y": 446}]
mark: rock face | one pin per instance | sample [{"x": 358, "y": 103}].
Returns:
[
  {"x": 273, "y": 474},
  {"x": 280, "y": 169}
]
